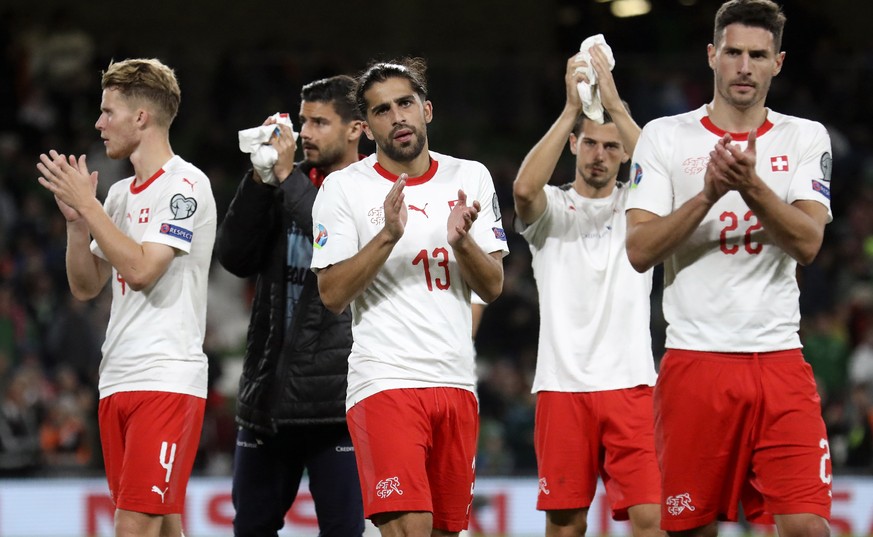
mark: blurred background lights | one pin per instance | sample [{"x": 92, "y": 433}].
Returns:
[{"x": 630, "y": 8}]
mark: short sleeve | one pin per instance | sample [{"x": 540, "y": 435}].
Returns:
[
  {"x": 487, "y": 230},
  {"x": 537, "y": 231},
  {"x": 650, "y": 186},
  {"x": 334, "y": 235},
  {"x": 812, "y": 180},
  {"x": 179, "y": 210}
]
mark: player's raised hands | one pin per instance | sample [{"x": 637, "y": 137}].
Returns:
[
  {"x": 735, "y": 166},
  {"x": 574, "y": 75},
  {"x": 461, "y": 218},
  {"x": 69, "y": 180},
  {"x": 395, "y": 209},
  {"x": 605, "y": 83}
]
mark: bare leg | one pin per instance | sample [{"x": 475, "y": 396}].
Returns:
[
  {"x": 566, "y": 522},
  {"x": 172, "y": 526},
  {"x": 133, "y": 524},
  {"x": 646, "y": 520},
  {"x": 802, "y": 525},
  {"x": 406, "y": 524},
  {"x": 709, "y": 530}
]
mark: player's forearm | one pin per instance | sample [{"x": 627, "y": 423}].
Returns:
[
  {"x": 539, "y": 165},
  {"x": 628, "y": 129},
  {"x": 482, "y": 271},
  {"x": 83, "y": 268},
  {"x": 651, "y": 238},
  {"x": 341, "y": 283},
  {"x": 122, "y": 252},
  {"x": 796, "y": 229}
]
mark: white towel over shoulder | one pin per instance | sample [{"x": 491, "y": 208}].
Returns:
[
  {"x": 256, "y": 141},
  {"x": 589, "y": 92}
]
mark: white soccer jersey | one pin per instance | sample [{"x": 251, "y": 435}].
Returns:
[
  {"x": 594, "y": 307},
  {"x": 728, "y": 287},
  {"x": 154, "y": 341},
  {"x": 412, "y": 325}
]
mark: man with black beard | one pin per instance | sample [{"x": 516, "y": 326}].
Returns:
[
  {"x": 403, "y": 237},
  {"x": 290, "y": 411}
]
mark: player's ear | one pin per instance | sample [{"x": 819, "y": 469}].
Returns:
[
  {"x": 572, "y": 142},
  {"x": 356, "y": 128},
  {"x": 779, "y": 59},
  {"x": 367, "y": 131},
  {"x": 428, "y": 111}
]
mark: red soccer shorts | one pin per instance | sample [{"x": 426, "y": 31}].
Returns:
[
  {"x": 416, "y": 451},
  {"x": 582, "y": 435},
  {"x": 149, "y": 443},
  {"x": 733, "y": 428}
]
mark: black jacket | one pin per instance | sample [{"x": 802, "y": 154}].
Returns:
[{"x": 296, "y": 377}]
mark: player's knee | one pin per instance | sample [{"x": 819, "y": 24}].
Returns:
[
  {"x": 646, "y": 520},
  {"x": 802, "y": 525},
  {"x": 566, "y": 522}
]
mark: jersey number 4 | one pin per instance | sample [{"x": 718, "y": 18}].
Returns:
[
  {"x": 441, "y": 255},
  {"x": 733, "y": 222}
]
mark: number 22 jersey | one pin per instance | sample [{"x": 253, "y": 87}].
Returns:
[
  {"x": 728, "y": 287},
  {"x": 412, "y": 325}
]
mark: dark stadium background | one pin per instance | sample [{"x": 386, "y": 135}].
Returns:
[{"x": 496, "y": 83}]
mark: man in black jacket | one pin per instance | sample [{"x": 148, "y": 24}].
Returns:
[{"x": 291, "y": 405}]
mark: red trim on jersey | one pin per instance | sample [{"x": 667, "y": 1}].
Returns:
[
  {"x": 737, "y": 136},
  {"x": 137, "y": 189},
  {"x": 412, "y": 181}
]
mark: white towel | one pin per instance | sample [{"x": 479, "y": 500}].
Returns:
[
  {"x": 257, "y": 142},
  {"x": 589, "y": 91}
]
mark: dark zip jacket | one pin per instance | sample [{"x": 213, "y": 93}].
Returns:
[{"x": 295, "y": 376}]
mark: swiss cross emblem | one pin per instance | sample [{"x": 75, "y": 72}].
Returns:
[
  {"x": 779, "y": 164},
  {"x": 144, "y": 216}
]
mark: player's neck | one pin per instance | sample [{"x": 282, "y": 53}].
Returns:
[
  {"x": 413, "y": 168},
  {"x": 732, "y": 119},
  {"x": 149, "y": 157},
  {"x": 350, "y": 157},
  {"x": 586, "y": 190}
]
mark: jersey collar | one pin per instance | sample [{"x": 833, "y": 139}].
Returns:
[
  {"x": 412, "y": 181},
  {"x": 736, "y": 136}
]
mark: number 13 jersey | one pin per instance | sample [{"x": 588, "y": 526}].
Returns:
[
  {"x": 728, "y": 287},
  {"x": 412, "y": 325}
]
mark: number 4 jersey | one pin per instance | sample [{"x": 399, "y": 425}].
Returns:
[
  {"x": 728, "y": 287},
  {"x": 412, "y": 325}
]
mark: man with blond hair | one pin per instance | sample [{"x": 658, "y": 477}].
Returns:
[{"x": 152, "y": 240}]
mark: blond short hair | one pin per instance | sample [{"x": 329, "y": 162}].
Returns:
[{"x": 149, "y": 80}]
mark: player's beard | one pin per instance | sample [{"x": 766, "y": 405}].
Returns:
[
  {"x": 403, "y": 152},
  {"x": 741, "y": 101},
  {"x": 326, "y": 156},
  {"x": 599, "y": 180}
]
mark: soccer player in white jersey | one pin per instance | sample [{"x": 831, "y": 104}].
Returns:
[
  {"x": 595, "y": 370},
  {"x": 152, "y": 240},
  {"x": 731, "y": 197},
  {"x": 404, "y": 236}
]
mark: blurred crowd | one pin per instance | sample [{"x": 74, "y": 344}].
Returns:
[{"x": 50, "y": 342}]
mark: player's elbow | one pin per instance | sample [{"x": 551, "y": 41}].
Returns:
[
  {"x": 639, "y": 262},
  {"x": 523, "y": 192},
  {"x": 805, "y": 256},
  {"x": 638, "y": 257},
  {"x": 492, "y": 290},
  {"x": 330, "y": 295},
  {"x": 84, "y": 294},
  {"x": 138, "y": 280},
  {"x": 333, "y": 306}
]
